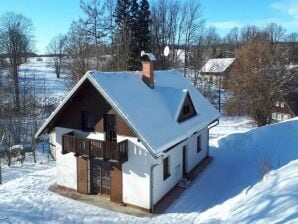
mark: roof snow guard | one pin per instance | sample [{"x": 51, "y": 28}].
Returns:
[{"x": 151, "y": 113}]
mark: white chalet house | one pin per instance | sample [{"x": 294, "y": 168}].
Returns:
[{"x": 129, "y": 136}]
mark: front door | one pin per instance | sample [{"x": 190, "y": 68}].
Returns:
[{"x": 100, "y": 177}]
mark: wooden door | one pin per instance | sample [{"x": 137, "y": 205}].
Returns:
[
  {"x": 82, "y": 175},
  {"x": 116, "y": 184}
]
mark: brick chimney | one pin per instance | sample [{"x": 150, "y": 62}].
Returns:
[{"x": 148, "y": 69}]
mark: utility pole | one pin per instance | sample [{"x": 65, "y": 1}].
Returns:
[{"x": 219, "y": 93}]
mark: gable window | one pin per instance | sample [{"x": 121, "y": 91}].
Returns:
[
  {"x": 186, "y": 109},
  {"x": 166, "y": 168},
  {"x": 199, "y": 144},
  {"x": 87, "y": 121}
]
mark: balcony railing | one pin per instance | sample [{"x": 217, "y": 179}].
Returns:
[{"x": 95, "y": 148}]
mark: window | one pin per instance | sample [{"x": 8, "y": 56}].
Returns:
[
  {"x": 166, "y": 168},
  {"x": 186, "y": 109},
  {"x": 277, "y": 104},
  {"x": 110, "y": 128},
  {"x": 287, "y": 116},
  {"x": 88, "y": 121},
  {"x": 282, "y": 104},
  {"x": 279, "y": 117},
  {"x": 274, "y": 116},
  {"x": 199, "y": 144}
]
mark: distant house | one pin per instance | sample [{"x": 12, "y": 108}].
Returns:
[
  {"x": 215, "y": 70},
  {"x": 286, "y": 108},
  {"x": 130, "y": 136}
]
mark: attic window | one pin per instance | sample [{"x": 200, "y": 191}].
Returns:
[{"x": 187, "y": 109}]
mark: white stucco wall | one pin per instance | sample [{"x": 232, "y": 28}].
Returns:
[
  {"x": 194, "y": 158},
  {"x": 136, "y": 174},
  {"x": 160, "y": 186},
  {"x": 66, "y": 165}
]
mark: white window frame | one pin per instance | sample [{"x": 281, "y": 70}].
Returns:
[{"x": 282, "y": 104}]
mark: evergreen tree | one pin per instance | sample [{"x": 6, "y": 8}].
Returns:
[
  {"x": 135, "y": 51},
  {"x": 122, "y": 13},
  {"x": 122, "y": 33},
  {"x": 132, "y": 34},
  {"x": 144, "y": 24}
]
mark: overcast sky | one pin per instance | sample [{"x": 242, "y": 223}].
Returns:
[{"x": 51, "y": 17}]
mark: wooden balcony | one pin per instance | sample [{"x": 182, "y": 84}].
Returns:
[{"x": 95, "y": 148}]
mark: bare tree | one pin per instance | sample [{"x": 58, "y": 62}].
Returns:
[
  {"x": 233, "y": 37},
  {"x": 211, "y": 41},
  {"x": 292, "y": 42},
  {"x": 177, "y": 25},
  {"x": 57, "y": 49},
  {"x": 15, "y": 42},
  {"x": 258, "y": 79},
  {"x": 79, "y": 53},
  {"x": 249, "y": 32},
  {"x": 193, "y": 24},
  {"x": 94, "y": 25},
  {"x": 275, "y": 32}
]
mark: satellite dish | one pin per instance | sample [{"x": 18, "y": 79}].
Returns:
[
  {"x": 166, "y": 51},
  {"x": 142, "y": 53}
]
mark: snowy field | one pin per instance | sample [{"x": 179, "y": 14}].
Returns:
[
  {"x": 230, "y": 190},
  {"x": 38, "y": 75}
]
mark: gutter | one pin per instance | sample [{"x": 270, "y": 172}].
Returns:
[{"x": 213, "y": 123}]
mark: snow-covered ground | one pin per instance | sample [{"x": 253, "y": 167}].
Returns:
[
  {"x": 39, "y": 75},
  {"x": 230, "y": 190}
]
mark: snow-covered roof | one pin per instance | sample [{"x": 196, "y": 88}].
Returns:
[
  {"x": 20, "y": 146},
  {"x": 151, "y": 113},
  {"x": 217, "y": 65}
]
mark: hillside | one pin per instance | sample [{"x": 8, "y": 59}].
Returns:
[{"x": 246, "y": 196}]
